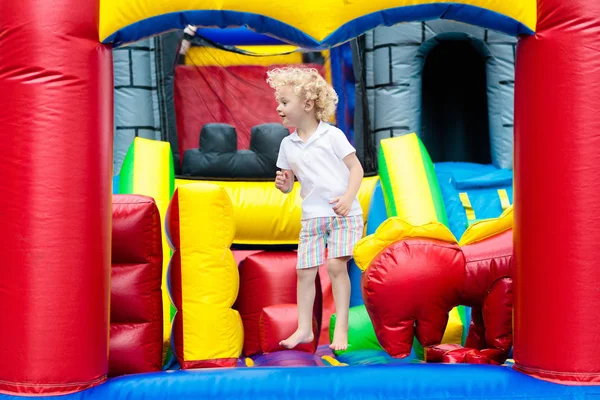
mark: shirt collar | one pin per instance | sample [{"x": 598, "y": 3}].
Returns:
[{"x": 320, "y": 129}]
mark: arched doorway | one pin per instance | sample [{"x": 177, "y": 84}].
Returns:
[{"x": 454, "y": 113}]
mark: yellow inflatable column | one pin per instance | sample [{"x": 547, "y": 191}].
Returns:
[{"x": 203, "y": 277}]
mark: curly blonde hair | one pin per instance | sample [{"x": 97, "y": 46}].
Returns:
[{"x": 308, "y": 84}]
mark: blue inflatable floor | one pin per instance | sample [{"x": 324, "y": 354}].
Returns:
[{"x": 377, "y": 382}]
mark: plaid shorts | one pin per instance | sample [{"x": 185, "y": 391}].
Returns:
[{"x": 339, "y": 234}]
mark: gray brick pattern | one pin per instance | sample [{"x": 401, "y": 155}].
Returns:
[{"x": 136, "y": 112}]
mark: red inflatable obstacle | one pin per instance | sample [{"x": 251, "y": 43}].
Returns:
[
  {"x": 557, "y": 323},
  {"x": 267, "y": 302},
  {"x": 56, "y": 129},
  {"x": 136, "y": 298},
  {"x": 411, "y": 285},
  {"x": 488, "y": 290}
]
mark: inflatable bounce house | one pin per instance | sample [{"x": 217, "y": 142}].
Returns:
[{"x": 160, "y": 264}]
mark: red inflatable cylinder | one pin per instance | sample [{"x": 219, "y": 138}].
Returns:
[
  {"x": 557, "y": 153},
  {"x": 56, "y": 134},
  {"x": 136, "y": 313}
]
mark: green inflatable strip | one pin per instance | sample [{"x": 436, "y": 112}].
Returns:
[
  {"x": 172, "y": 308},
  {"x": 436, "y": 194},
  {"x": 171, "y": 192},
  {"x": 419, "y": 351},
  {"x": 126, "y": 178},
  {"x": 386, "y": 185},
  {"x": 462, "y": 312},
  {"x": 171, "y": 176},
  {"x": 361, "y": 334}
]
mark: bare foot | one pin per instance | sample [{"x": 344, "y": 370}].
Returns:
[
  {"x": 340, "y": 340},
  {"x": 297, "y": 338}
]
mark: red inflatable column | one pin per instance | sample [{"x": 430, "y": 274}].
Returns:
[
  {"x": 557, "y": 194},
  {"x": 55, "y": 197},
  {"x": 136, "y": 314}
]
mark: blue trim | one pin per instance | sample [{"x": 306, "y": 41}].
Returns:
[
  {"x": 222, "y": 19},
  {"x": 405, "y": 381},
  {"x": 342, "y": 76},
  {"x": 337, "y": 81},
  {"x": 238, "y": 37},
  {"x": 265, "y": 25},
  {"x": 424, "y": 12}
]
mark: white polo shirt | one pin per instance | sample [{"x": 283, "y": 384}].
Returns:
[{"x": 320, "y": 169}]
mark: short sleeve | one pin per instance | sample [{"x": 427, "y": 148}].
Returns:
[
  {"x": 340, "y": 143},
  {"x": 282, "y": 162}
]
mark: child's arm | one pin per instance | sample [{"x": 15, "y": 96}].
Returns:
[
  {"x": 344, "y": 202},
  {"x": 284, "y": 180},
  {"x": 356, "y": 175}
]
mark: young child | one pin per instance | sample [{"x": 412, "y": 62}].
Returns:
[{"x": 330, "y": 174}]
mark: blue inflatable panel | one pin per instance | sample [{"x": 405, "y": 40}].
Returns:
[
  {"x": 115, "y": 184},
  {"x": 493, "y": 179},
  {"x": 481, "y": 184},
  {"x": 376, "y": 382},
  {"x": 377, "y": 214},
  {"x": 377, "y": 210},
  {"x": 355, "y": 290}
]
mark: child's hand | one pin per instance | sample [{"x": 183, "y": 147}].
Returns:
[
  {"x": 283, "y": 181},
  {"x": 342, "y": 205}
]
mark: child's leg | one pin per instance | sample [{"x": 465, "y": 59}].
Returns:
[
  {"x": 345, "y": 233},
  {"x": 311, "y": 254},
  {"x": 340, "y": 285},
  {"x": 306, "y": 298}
]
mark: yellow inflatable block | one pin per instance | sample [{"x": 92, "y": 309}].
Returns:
[
  {"x": 316, "y": 18},
  {"x": 270, "y": 55},
  {"x": 487, "y": 228},
  {"x": 454, "y": 328},
  {"x": 265, "y": 216},
  {"x": 218, "y": 334},
  {"x": 204, "y": 277},
  {"x": 364, "y": 195},
  {"x": 392, "y": 230}
]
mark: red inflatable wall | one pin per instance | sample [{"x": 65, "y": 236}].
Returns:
[
  {"x": 557, "y": 154},
  {"x": 136, "y": 329},
  {"x": 235, "y": 95},
  {"x": 266, "y": 301},
  {"x": 56, "y": 128}
]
